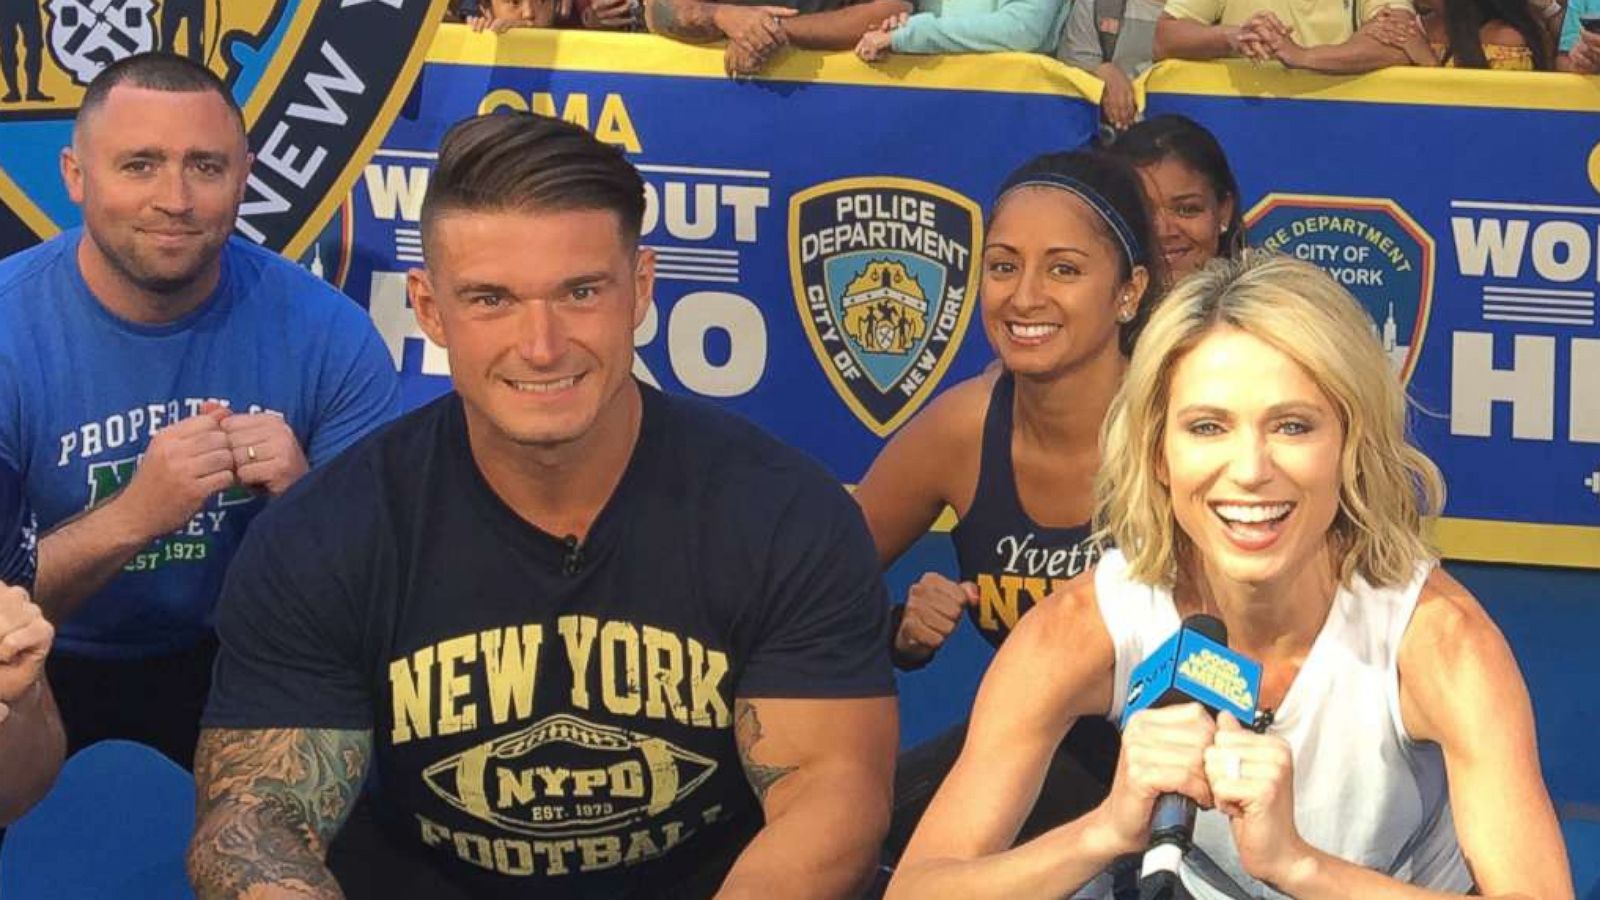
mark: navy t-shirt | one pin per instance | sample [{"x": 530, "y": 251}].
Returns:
[
  {"x": 19, "y": 535},
  {"x": 538, "y": 725}
]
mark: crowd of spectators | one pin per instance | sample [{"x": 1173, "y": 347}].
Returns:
[{"x": 1113, "y": 40}]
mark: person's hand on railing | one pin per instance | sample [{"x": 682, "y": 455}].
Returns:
[
  {"x": 758, "y": 30},
  {"x": 1401, "y": 29},
  {"x": 878, "y": 43},
  {"x": 1117, "y": 106},
  {"x": 1585, "y": 54},
  {"x": 608, "y": 15},
  {"x": 1261, "y": 37},
  {"x": 497, "y": 26},
  {"x": 874, "y": 46}
]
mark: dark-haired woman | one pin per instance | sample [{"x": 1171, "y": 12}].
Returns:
[
  {"x": 1191, "y": 188},
  {"x": 1514, "y": 35},
  {"x": 1068, "y": 279}
]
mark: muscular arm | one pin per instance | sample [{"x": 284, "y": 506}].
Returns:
[
  {"x": 1187, "y": 39},
  {"x": 686, "y": 20},
  {"x": 823, "y": 770},
  {"x": 32, "y": 745},
  {"x": 928, "y": 464},
  {"x": 1029, "y": 698},
  {"x": 840, "y": 29},
  {"x": 1460, "y": 688},
  {"x": 184, "y": 464},
  {"x": 268, "y": 802},
  {"x": 85, "y": 552},
  {"x": 1359, "y": 54}
]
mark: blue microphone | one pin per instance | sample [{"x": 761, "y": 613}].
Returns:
[{"x": 1193, "y": 666}]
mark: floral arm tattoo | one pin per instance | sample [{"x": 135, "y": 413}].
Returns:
[
  {"x": 268, "y": 802},
  {"x": 747, "y": 734}
]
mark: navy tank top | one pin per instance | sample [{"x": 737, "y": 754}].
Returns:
[{"x": 1014, "y": 561}]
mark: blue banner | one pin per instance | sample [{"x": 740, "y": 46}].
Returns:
[
  {"x": 817, "y": 232},
  {"x": 1463, "y": 209}
]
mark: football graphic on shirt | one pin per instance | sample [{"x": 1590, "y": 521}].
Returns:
[{"x": 565, "y": 776}]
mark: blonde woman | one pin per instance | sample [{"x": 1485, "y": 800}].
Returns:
[{"x": 1256, "y": 468}]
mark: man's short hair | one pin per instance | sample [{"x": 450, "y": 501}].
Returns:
[
  {"x": 525, "y": 162},
  {"x": 156, "y": 71}
]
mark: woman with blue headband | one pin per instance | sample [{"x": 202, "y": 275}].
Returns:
[{"x": 1067, "y": 283}]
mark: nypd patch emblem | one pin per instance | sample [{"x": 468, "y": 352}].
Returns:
[
  {"x": 319, "y": 84},
  {"x": 885, "y": 281},
  {"x": 565, "y": 776}
]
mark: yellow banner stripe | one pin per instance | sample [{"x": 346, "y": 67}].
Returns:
[
  {"x": 1400, "y": 84},
  {"x": 643, "y": 54}
]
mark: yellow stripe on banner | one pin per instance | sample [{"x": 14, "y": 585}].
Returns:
[
  {"x": 643, "y": 54},
  {"x": 1480, "y": 540},
  {"x": 25, "y": 209},
  {"x": 1399, "y": 84}
]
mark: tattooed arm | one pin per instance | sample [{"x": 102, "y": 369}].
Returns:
[
  {"x": 268, "y": 802},
  {"x": 823, "y": 770}
]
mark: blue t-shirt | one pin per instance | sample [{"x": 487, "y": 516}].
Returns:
[
  {"x": 394, "y": 591},
  {"x": 19, "y": 545},
  {"x": 82, "y": 391}
]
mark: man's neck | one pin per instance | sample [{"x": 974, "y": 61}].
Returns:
[
  {"x": 561, "y": 489},
  {"x": 130, "y": 302}
]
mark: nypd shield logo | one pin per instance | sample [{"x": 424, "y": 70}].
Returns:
[
  {"x": 86, "y": 36},
  {"x": 564, "y": 776},
  {"x": 319, "y": 84},
  {"x": 885, "y": 281}
]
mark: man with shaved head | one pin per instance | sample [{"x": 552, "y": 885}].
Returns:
[{"x": 160, "y": 382}]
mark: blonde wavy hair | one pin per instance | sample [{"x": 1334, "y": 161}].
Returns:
[{"x": 1387, "y": 486}]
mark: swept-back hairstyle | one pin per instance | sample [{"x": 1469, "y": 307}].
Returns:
[
  {"x": 1386, "y": 485},
  {"x": 156, "y": 71},
  {"x": 1112, "y": 189},
  {"x": 513, "y": 161},
  {"x": 1178, "y": 137}
]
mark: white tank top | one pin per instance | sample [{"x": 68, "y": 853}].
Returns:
[{"x": 1364, "y": 791}]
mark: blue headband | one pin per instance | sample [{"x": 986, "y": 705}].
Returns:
[{"x": 1131, "y": 247}]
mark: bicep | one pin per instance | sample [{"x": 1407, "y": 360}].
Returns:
[
  {"x": 362, "y": 392},
  {"x": 255, "y": 785},
  {"x": 1461, "y": 688},
  {"x": 1029, "y": 698},
  {"x": 782, "y": 737},
  {"x": 906, "y": 488}
]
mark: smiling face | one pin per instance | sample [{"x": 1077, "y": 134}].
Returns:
[
  {"x": 1052, "y": 284},
  {"x": 160, "y": 175},
  {"x": 1190, "y": 217},
  {"x": 1251, "y": 457},
  {"x": 536, "y": 310}
]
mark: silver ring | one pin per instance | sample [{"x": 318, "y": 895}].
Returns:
[
  {"x": 250, "y": 452},
  {"x": 1234, "y": 766}
]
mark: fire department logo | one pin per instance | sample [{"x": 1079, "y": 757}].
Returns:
[
  {"x": 564, "y": 776},
  {"x": 1372, "y": 247},
  {"x": 319, "y": 85},
  {"x": 885, "y": 282}
]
